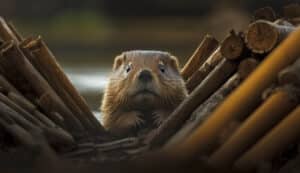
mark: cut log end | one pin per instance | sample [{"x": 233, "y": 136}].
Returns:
[
  {"x": 246, "y": 67},
  {"x": 232, "y": 47},
  {"x": 261, "y": 37}
]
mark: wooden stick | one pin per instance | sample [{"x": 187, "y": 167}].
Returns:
[
  {"x": 21, "y": 111},
  {"x": 204, "y": 110},
  {"x": 242, "y": 101},
  {"x": 284, "y": 22},
  {"x": 291, "y": 10},
  {"x": 30, "y": 108},
  {"x": 50, "y": 69},
  {"x": 295, "y": 21},
  {"x": 262, "y": 36},
  {"x": 206, "y": 47},
  {"x": 18, "y": 133},
  {"x": 259, "y": 122},
  {"x": 247, "y": 66},
  {"x": 6, "y": 34},
  {"x": 19, "y": 71},
  {"x": 285, "y": 133},
  {"x": 7, "y": 85},
  {"x": 291, "y": 165},
  {"x": 204, "y": 70},
  {"x": 290, "y": 75},
  {"x": 233, "y": 46},
  {"x": 265, "y": 13},
  {"x": 211, "y": 83},
  {"x": 15, "y": 31}
]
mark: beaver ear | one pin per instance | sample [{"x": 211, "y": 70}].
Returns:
[
  {"x": 118, "y": 61},
  {"x": 174, "y": 62}
]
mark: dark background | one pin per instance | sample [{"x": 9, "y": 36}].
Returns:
[{"x": 85, "y": 35}]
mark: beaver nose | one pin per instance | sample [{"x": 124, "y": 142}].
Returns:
[{"x": 145, "y": 76}]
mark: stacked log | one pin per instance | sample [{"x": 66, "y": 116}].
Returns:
[
  {"x": 241, "y": 114},
  {"x": 233, "y": 113}
]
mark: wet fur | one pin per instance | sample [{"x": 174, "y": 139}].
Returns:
[{"x": 122, "y": 111}]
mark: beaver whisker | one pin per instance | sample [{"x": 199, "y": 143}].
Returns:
[{"x": 125, "y": 101}]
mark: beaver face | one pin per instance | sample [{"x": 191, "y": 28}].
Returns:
[
  {"x": 145, "y": 86},
  {"x": 147, "y": 78}
]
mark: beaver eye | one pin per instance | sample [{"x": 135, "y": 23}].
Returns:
[
  {"x": 162, "y": 68},
  {"x": 128, "y": 68}
]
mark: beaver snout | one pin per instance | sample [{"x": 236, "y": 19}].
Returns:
[{"x": 145, "y": 76}]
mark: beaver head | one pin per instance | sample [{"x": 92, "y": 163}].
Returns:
[{"x": 142, "y": 84}]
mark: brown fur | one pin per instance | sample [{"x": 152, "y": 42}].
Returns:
[{"x": 124, "y": 108}]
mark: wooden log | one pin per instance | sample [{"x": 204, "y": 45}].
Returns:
[
  {"x": 258, "y": 123},
  {"x": 39, "y": 54},
  {"x": 54, "y": 135},
  {"x": 232, "y": 46},
  {"x": 122, "y": 143},
  {"x": 262, "y": 36},
  {"x": 58, "y": 137},
  {"x": 290, "y": 75},
  {"x": 204, "y": 110},
  {"x": 20, "y": 72},
  {"x": 265, "y": 13},
  {"x": 291, "y": 10},
  {"x": 18, "y": 133},
  {"x": 15, "y": 31},
  {"x": 6, "y": 34},
  {"x": 292, "y": 165},
  {"x": 206, "y": 47},
  {"x": 284, "y": 22},
  {"x": 4, "y": 83},
  {"x": 247, "y": 66},
  {"x": 278, "y": 139},
  {"x": 295, "y": 21},
  {"x": 242, "y": 101},
  {"x": 21, "y": 111},
  {"x": 30, "y": 108},
  {"x": 204, "y": 70},
  {"x": 211, "y": 83}
]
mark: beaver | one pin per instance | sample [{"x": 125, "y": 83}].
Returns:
[{"x": 143, "y": 89}]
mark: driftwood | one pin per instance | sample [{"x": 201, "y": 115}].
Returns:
[
  {"x": 211, "y": 83},
  {"x": 44, "y": 61},
  {"x": 206, "y": 47},
  {"x": 13, "y": 63},
  {"x": 265, "y": 13},
  {"x": 204, "y": 70},
  {"x": 262, "y": 36}
]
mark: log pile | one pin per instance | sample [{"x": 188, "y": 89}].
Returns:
[{"x": 242, "y": 112}]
